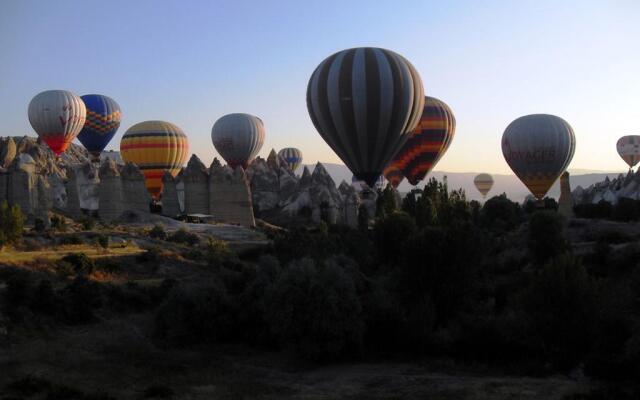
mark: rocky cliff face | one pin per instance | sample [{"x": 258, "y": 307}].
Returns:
[{"x": 609, "y": 190}]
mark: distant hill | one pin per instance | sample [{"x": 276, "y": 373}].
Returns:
[{"x": 508, "y": 184}]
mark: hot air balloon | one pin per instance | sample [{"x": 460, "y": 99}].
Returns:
[
  {"x": 484, "y": 183},
  {"x": 155, "y": 147},
  {"x": 292, "y": 156},
  {"x": 394, "y": 175},
  {"x": 538, "y": 148},
  {"x": 629, "y": 149},
  {"x": 57, "y": 116},
  {"x": 238, "y": 138},
  {"x": 102, "y": 122},
  {"x": 428, "y": 141},
  {"x": 364, "y": 102}
]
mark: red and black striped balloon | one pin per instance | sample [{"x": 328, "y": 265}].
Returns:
[{"x": 428, "y": 142}]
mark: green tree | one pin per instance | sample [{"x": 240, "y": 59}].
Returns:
[
  {"x": 11, "y": 223},
  {"x": 546, "y": 236}
]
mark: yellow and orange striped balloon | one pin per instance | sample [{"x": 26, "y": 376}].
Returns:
[{"x": 155, "y": 147}]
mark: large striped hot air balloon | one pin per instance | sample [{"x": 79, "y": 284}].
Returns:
[
  {"x": 103, "y": 120},
  {"x": 155, "y": 147},
  {"x": 238, "y": 138},
  {"x": 292, "y": 156},
  {"x": 484, "y": 183},
  {"x": 364, "y": 102},
  {"x": 538, "y": 148},
  {"x": 57, "y": 116},
  {"x": 629, "y": 149},
  {"x": 428, "y": 141}
]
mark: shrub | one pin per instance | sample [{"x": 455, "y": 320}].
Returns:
[
  {"x": 109, "y": 266},
  {"x": 158, "y": 232},
  {"x": 58, "y": 223},
  {"x": 626, "y": 210},
  {"x": 64, "y": 269},
  {"x": 82, "y": 265},
  {"x": 150, "y": 255},
  {"x": 80, "y": 300},
  {"x": 194, "y": 315},
  {"x": 315, "y": 311},
  {"x": 38, "y": 225},
  {"x": 71, "y": 239},
  {"x": 11, "y": 223},
  {"x": 546, "y": 237},
  {"x": 184, "y": 237},
  {"x": 103, "y": 242},
  {"x": 561, "y": 304},
  {"x": 88, "y": 223},
  {"x": 391, "y": 233},
  {"x": 500, "y": 213}
]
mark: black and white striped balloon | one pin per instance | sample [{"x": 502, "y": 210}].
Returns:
[{"x": 364, "y": 102}]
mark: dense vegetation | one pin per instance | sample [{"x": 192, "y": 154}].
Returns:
[{"x": 435, "y": 276}]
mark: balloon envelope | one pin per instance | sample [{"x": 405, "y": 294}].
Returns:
[
  {"x": 292, "y": 156},
  {"x": 364, "y": 102},
  {"x": 155, "y": 147},
  {"x": 238, "y": 138},
  {"x": 102, "y": 122},
  {"x": 57, "y": 116},
  {"x": 538, "y": 148},
  {"x": 484, "y": 183},
  {"x": 394, "y": 175},
  {"x": 428, "y": 141},
  {"x": 629, "y": 149}
]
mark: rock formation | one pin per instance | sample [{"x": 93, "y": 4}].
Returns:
[
  {"x": 609, "y": 190},
  {"x": 73, "y": 198},
  {"x": 110, "y": 192},
  {"x": 317, "y": 192},
  {"x": 134, "y": 193},
  {"x": 196, "y": 187},
  {"x": 565, "y": 203},
  {"x": 170, "y": 203},
  {"x": 8, "y": 151},
  {"x": 22, "y": 183},
  {"x": 229, "y": 195}
]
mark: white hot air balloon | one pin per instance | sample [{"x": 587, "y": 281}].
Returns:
[
  {"x": 57, "y": 116},
  {"x": 238, "y": 138}
]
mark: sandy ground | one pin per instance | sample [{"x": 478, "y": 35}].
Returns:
[{"x": 115, "y": 357}]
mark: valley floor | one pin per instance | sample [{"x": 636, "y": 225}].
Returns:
[{"x": 115, "y": 358}]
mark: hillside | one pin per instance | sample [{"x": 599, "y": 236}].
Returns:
[{"x": 508, "y": 184}]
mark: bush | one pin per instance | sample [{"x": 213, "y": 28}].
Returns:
[
  {"x": 546, "y": 237},
  {"x": 500, "y": 214},
  {"x": 150, "y": 255},
  {"x": 58, "y": 223},
  {"x": 80, "y": 299},
  {"x": 88, "y": 223},
  {"x": 626, "y": 210},
  {"x": 391, "y": 233},
  {"x": 38, "y": 225},
  {"x": 184, "y": 237},
  {"x": 11, "y": 224},
  {"x": 195, "y": 315},
  {"x": 561, "y": 304},
  {"x": 71, "y": 239},
  {"x": 103, "y": 242},
  {"x": 82, "y": 265},
  {"x": 315, "y": 311},
  {"x": 158, "y": 232}
]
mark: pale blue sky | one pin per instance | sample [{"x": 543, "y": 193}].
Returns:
[{"x": 190, "y": 62}]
